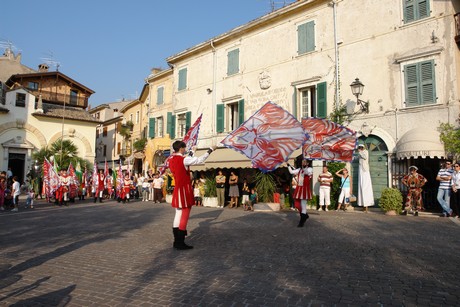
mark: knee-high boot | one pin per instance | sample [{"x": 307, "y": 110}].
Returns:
[
  {"x": 180, "y": 245},
  {"x": 175, "y": 233},
  {"x": 303, "y": 218}
]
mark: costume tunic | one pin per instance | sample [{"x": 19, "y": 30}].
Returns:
[
  {"x": 414, "y": 194},
  {"x": 303, "y": 178},
  {"x": 183, "y": 190}
]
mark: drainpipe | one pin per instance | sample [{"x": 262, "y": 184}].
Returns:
[
  {"x": 214, "y": 67},
  {"x": 336, "y": 49}
]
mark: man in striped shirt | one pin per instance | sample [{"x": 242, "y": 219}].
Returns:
[
  {"x": 325, "y": 179},
  {"x": 444, "y": 176}
]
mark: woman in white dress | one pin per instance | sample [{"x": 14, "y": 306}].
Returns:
[{"x": 365, "y": 193}]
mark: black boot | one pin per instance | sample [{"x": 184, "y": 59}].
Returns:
[
  {"x": 179, "y": 243},
  {"x": 175, "y": 233},
  {"x": 303, "y": 218},
  {"x": 100, "y": 199},
  {"x": 95, "y": 199}
]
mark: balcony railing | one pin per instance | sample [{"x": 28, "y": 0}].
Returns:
[{"x": 57, "y": 97}]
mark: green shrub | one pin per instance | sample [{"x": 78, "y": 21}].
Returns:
[
  {"x": 391, "y": 199},
  {"x": 210, "y": 187},
  {"x": 265, "y": 186}
]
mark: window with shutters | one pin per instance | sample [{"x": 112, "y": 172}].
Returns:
[
  {"x": 159, "y": 126},
  {"x": 233, "y": 64},
  {"x": 137, "y": 117},
  {"x": 160, "y": 91},
  {"x": 182, "y": 84},
  {"x": 306, "y": 37},
  {"x": 234, "y": 115},
  {"x": 419, "y": 83},
  {"x": 104, "y": 131},
  {"x": 415, "y": 10},
  {"x": 307, "y": 106}
]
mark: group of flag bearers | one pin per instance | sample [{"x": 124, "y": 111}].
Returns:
[{"x": 66, "y": 186}]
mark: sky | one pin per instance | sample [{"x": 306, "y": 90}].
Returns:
[{"x": 110, "y": 46}]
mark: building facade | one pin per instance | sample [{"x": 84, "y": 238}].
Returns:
[{"x": 305, "y": 55}]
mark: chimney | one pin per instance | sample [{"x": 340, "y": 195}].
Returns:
[
  {"x": 115, "y": 112},
  {"x": 43, "y": 68}
]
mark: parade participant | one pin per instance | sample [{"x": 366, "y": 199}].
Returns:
[
  {"x": 183, "y": 199},
  {"x": 126, "y": 188},
  {"x": 302, "y": 192},
  {"x": 414, "y": 182},
  {"x": 62, "y": 193},
  {"x": 109, "y": 183},
  {"x": 100, "y": 186}
]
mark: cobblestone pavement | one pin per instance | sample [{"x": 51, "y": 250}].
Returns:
[{"x": 114, "y": 254}]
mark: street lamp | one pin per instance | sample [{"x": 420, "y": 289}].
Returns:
[{"x": 357, "y": 88}]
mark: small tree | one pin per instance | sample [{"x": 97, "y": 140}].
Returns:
[
  {"x": 450, "y": 137},
  {"x": 140, "y": 144},
  {"x": 265, "y": 186}
]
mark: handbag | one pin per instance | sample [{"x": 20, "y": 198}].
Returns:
[{"x": 352, "y": 198}]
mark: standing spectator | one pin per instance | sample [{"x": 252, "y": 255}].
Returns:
[
  {"x": 302, "y": 192},
  {"x": 365, "y": 193},
  {"x": 9, "y": 176},
  {"x": 414, "y": 182},
  {"x": 182, "y": 199},
  {"x": 220, "y": 188},
  {"x": 140, "y": 185},
  {"x": 197, "y": 192},
  {"x": 150, "y": 178},
  {"x": 455, "y": 182},
  {"x": 233, "y": 191},
  {"x": 345, "y": 188},
  {"x": 245, "y": 191},
  {"x": 30, "y": 198},
  {"x": 2, "y": 192},
  {"x": 444, "y": 177},
  {"x": 325, "y": 179},
  {"x": 158, "y": 183},
  {"x": 16, "y": 192},
  {"x": 145, "y": 189}
]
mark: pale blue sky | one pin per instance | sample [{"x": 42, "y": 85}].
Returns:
[{"x": 111, "y": 45}]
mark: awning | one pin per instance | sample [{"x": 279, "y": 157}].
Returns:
[
  {"x": 222, "y": 158},
  {"x": 139, "y": 155},
  {"x": 420, "y": 143}
]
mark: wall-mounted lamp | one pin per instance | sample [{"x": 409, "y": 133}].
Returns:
[
  {"x": 357, "y": 88},
  {"x": 209, "y": 90}
]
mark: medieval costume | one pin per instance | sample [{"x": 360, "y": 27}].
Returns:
[
  {"x": 302, "y": 192},
  {"x": 62, "y": 193},
  {"x": 414, "y": 182},
  {"x": 183, "y": 199}
]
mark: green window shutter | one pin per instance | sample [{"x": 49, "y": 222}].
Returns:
[
  {"x": 188, "y": 120},
  {"x": 411, "y": 84},
  {"x": 151, "y": 128},
  {"x": 233, "y": 65},
  {"x": 423, "y": 8},
  {"x": 310, "y": 36},
  {"x": 169, "y": 122},
  {"x": 409, "y": 10},
  {"x": 182, "y": 79},
  {"x": 240, "y": 112},
  {"x": 427, "y": 79},
  {"x": 160, "y": 91},
  {"x": 420, "y": 83},
  {"x": 220, "y": 118},
  {"x": 306, "y": 37},
  {"x": 173, "y": 126},
  {"x": 302, "y": 38},
  {"x": 321, "y": 100}
]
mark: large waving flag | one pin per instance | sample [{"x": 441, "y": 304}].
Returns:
[
  {"x": 190, "y": 139},
  {"x": 50, "y": 178},
  {"x": 95, "y": 181},
  {"x": 268, "y": 137},
  {"x": 72, "y": 174},
  {"x": 328, "y": 140}
]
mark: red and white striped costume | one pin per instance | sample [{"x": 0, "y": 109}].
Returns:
[{"x": 303, "y": 176}]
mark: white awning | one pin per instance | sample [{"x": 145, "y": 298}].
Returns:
[
  {"x": 222, "y": 158},
  {"x": 420, "y": 143}
]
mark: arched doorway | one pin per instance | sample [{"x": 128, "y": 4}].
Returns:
[{"x": 378, "y": 165}]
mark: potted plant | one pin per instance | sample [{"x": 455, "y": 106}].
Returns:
[
  {"x": 391, "y": 201},
  {"x": 266, "y": 188},
  {"x": 210, "y": 192}
]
